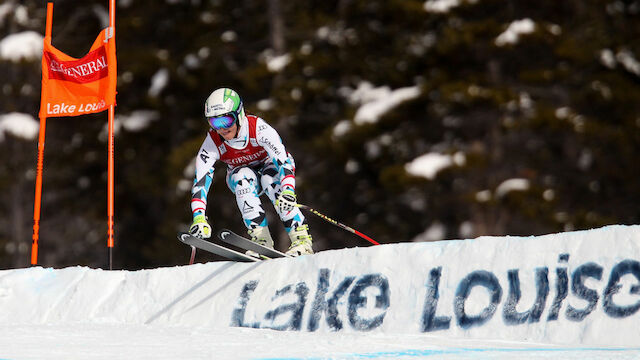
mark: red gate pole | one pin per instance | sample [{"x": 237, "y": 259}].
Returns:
[
  {"x": 38, "y": 196},
  {"x": 110, "y": 183}
]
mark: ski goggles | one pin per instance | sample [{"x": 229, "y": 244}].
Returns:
[{"x": 223, "y": 121}]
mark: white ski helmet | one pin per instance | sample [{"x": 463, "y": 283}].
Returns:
[{"x": 224, "y": 101}]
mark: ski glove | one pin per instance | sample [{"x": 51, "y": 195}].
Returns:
[
  {"x": 286, "y": 201},
  {"x": 200, "y": 227}
]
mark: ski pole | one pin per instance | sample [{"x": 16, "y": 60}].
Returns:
[{"x": 338, "y": 224}]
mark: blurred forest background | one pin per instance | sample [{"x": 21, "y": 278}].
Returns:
[{"x": 536, "y": 131}]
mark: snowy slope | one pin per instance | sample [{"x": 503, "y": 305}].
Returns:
[{"x": 576, "y": 292}]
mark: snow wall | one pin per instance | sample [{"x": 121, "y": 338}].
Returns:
[{"x": 570, "y": 288}]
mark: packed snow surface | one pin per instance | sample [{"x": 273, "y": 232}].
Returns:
[{"x": 571, "y": 295}]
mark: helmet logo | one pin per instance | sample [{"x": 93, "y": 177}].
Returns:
[{"x": 217, "y": 107}]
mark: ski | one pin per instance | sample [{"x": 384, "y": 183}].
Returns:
[
  {"x": 234, "y": 239},
  {"x": 214, "y": 248}
]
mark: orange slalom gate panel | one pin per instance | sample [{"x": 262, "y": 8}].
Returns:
[{"x": 71, "y": 86}]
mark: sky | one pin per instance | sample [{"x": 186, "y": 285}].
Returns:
[{"x": 570, "y": 295}]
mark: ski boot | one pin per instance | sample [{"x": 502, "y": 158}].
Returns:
[
  {"x": 261, "y": 236},
  {"x": 301, "y": 241}
]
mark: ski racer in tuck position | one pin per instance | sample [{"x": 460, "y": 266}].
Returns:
[{"x": 257, "y": 163}]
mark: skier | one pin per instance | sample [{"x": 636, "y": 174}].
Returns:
[{"x": 257, "y": 163}]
